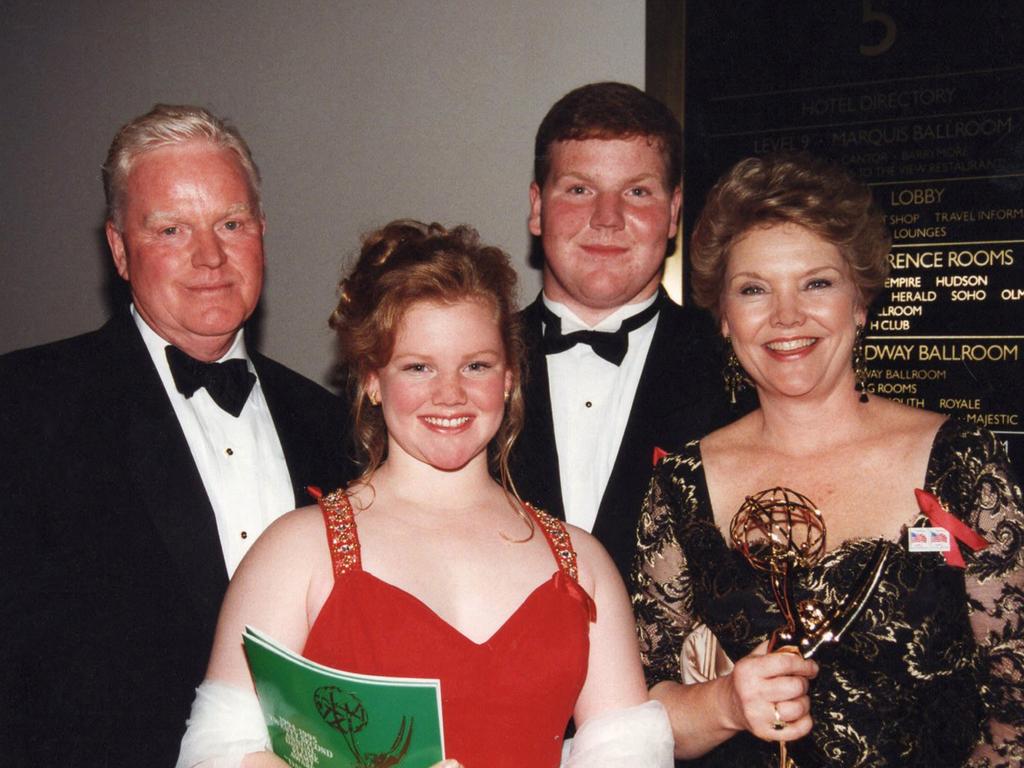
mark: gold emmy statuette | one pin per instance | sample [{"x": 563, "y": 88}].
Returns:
[{"x": 778, "y": 530}]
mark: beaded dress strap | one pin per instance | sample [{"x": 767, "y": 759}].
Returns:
[
  {"x": 341, "y": 530},
  {"x": 558, "y": 540}
]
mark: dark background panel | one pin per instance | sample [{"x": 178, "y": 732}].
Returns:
[{"x": 921, "y": 100}]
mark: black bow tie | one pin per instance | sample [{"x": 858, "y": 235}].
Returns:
[
  {"x": 610, "y": 345},
  {"x": 228, "y": 383}
]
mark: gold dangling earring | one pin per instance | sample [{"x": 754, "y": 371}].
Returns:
[
  {"x": 374, "y": 399},
  {"x": 860, "y": 368},
  {"x": 735, "y": 377}
]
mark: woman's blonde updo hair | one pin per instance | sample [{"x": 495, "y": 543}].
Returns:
[
  {"x": 404, "y": 263},
  {"x": 793, "y": 188}
]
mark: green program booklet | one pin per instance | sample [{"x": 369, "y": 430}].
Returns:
[{"x": 318, "y": 716}]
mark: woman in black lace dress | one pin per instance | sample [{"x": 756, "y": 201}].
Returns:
[{"x": 788, "y": 254}]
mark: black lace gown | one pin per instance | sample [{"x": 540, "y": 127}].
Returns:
[{"x": 932, "y": 673}]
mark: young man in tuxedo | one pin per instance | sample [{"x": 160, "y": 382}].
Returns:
[
  {"x": 143, "y": 459},
  {"x": 616, "y": 368}
]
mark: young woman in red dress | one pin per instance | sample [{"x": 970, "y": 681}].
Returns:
[{"x": 429, "y": 565}]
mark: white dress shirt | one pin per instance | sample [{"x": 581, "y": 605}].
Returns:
[
  {"x": 590, "y": 403},
  {"x": 240, "y": 460}
]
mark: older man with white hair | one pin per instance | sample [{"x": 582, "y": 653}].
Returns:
[{"x": 142, "y": 460}]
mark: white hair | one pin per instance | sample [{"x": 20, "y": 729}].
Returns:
[{"x": 164, "y": 125}]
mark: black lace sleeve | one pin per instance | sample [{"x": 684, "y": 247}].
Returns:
[
  {"x": 979, "y": 486},
  {"x": 662, "y": 592}
]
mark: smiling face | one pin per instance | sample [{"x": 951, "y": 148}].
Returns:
[
  {"x": 604, "y": 216},
  {"x": 442, "y": 393},
  {"x": 791, "y": 308},
  {"x": 191, "y": 245}
]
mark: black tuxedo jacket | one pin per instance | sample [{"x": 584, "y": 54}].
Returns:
[
  {"x": 113, "y": 569},
  {"x": 680, "y": 396}
]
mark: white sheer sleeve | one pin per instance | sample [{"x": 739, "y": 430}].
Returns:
[
  {"x": 633, "y": 737},
  {"x": 225, "y": 725}
]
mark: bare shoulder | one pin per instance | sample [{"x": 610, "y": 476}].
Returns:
[
  {"x": 295, "y": 526},
  {"x": 295, "y": 537},
  {"x": 733, "y": 437},
  {"x": 893, "y": 420},
  {"x": 584, "y": 543},
  {"x": 728, "y": 451},
  {"x": 597, "y": 571}
]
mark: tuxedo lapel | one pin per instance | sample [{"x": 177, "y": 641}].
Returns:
[
  {"x": 165, "y": 482},
  {"x": 297, "y": 443},
  {"x": 657, "y": 398},
  {"x": 535, "y": 460},
  {"x": 654, "y": 421}
]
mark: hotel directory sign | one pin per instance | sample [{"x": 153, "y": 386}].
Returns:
[{"x": 925, "y": 103}]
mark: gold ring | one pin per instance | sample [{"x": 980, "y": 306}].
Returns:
[{"x": 778, "y": 723}]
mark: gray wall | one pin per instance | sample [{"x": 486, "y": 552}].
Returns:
[{"x": 358, "y": 112}]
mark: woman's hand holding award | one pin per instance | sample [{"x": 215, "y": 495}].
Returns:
[{"x": 779, "y": 530}]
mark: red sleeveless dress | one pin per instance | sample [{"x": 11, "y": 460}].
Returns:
[{"x": 506, "y": 701}]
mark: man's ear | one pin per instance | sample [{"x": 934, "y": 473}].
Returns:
[
  {"x": 535, "y": 208},
  {"x": 117, "y": 250},
  {"x": 677, "y": 202}
]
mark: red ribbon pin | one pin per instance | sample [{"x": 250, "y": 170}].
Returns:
[
  {"x": 939, "y": 517},
  {"x": 659, "y": 454}
]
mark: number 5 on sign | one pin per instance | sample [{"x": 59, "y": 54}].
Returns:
[{"x": 870, "y": 15}]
